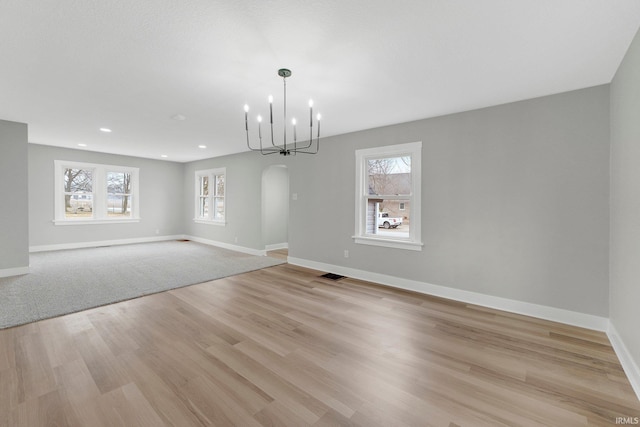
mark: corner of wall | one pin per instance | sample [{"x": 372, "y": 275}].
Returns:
[{"x": 626, "y": 359}]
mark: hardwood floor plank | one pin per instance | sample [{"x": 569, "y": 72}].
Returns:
[
  {"x": 58, "y": 344},
  {"x": 173, "y": 408},
  {"x": 220, "y": 407},
  {"x": 332, "y": 397},
  {"x": 276, "y": 415},
  {"x": 295, "y": 400},
  {"x": 101, "y": 363},
  {"x": 7, "y": 349},
  {"x": 34, "y": 373}
]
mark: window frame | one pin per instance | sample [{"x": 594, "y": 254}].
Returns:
[
  {"x": 362, "y": 156},
  {"x": 99, "y": 193},
  {"x": 211, "y": 175}
]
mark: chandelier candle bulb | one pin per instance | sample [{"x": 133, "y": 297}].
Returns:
[
  {"x": 293, "y": 122},
  {"x": 259, "y": 127},
  {"x": 271, "y": 108},
  {"x": 246, "y": 112}
]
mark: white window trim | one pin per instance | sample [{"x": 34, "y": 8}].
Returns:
[
  {"x": 211, "y": 173},
  {"x": 414, "y": 242},
  {"x": 99, "y": 186}
]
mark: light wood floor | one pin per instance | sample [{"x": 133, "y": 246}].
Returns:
[
  {"x": 283, "y": 347},
  {"x": 279, "y": 253}
]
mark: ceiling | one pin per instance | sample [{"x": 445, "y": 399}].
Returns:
[{"x": 71, "y": 67}]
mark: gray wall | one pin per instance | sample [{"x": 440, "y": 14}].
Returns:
[
  {"x": 514, "y": 202},
  {"x": 14, "y": 223},
  {"x": 275, "y": 205},
  {"x": 161, "y": 206},
  {"x": 625, "y": 201},
  {"x": 244, "y": 198}
]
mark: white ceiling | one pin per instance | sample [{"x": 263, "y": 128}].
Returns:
[{"x": 70, "y": 67}]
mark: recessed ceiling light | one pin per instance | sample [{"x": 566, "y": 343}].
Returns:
[
  {"x": 82, "y": 145},
  {"x": 202, "y": 146},
  {"x": 164, "y": 156},
  {"x": 107, "y": 130}
]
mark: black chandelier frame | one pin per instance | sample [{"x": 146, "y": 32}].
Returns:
[{"x": 311, "y": 147}]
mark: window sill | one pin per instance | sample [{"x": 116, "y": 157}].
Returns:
[
  {"x": 94, "y": 221},
  {"x": 209, "y": 222},
  {"x": 389, "y": 243}
]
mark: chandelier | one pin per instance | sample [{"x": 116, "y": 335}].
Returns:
[{"x": 284, "y": 148}]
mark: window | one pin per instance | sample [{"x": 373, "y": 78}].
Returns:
[
  {"x": 92, "y": 193},
  {"x": 210, "y": 193},
  {"x": 388, "y": 196}
]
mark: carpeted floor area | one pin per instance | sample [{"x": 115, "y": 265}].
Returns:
[{"x": 67, "y": 281}]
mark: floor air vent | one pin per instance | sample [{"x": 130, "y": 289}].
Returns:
[{"x": 332, "y": 276}]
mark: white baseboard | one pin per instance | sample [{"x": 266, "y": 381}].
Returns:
[
  {"x": 626, "y": 359},
  {"x": 243, "y": 249},
  {"x": 17, "y": 271},
  {"x": 82, "y": 245},
  {"x": 582, "y": 320},
  {"x": 276, "y": 246}
]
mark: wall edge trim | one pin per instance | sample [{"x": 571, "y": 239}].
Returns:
[
  {"x": 276, "y": 246},
  {"x": 237, "y": 248},
  {"x": 626, "y": 359},
  {"x": 16, "y": 271},
  {"x": 95, "y": 244}
]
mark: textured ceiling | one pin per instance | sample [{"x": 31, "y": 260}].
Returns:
[{"x": 70, "y": 67}]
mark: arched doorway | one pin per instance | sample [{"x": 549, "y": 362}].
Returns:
[{"x": 275, "y": 207}]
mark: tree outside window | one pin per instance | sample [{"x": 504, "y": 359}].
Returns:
[
  {"x": 78, "y": 193},
  {"x": 118, "y": 194}
]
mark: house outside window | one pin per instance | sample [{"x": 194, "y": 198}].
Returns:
[
  {"x": 210, "y": 196},
  {"x": 388, "y": 196},
  {"x": 88, "y": 193}
]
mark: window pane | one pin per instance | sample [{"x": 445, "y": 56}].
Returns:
[
  {"x": 218, "y": 208},
  {"x": 118, "y": 205},
  {"x": 78, "y": 205},
  {"x": 204, "y": 185},
  {"x": 386, "y": 219},
  {"x": 203, "y": 207},
  {"x": 391, "y": 175},
  {"x": 118, "y": 182},
  {"x": 78, "y": 181},
  {"x": 219, "y": 185}
]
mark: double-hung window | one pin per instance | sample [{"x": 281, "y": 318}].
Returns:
[
  {"x": 91, "y": 193},
  {"x": 388, "y": 196},
  {"x": 210, "y": 196}
]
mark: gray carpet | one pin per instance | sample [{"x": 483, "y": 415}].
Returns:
[{"x": 67, "y": 281}]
